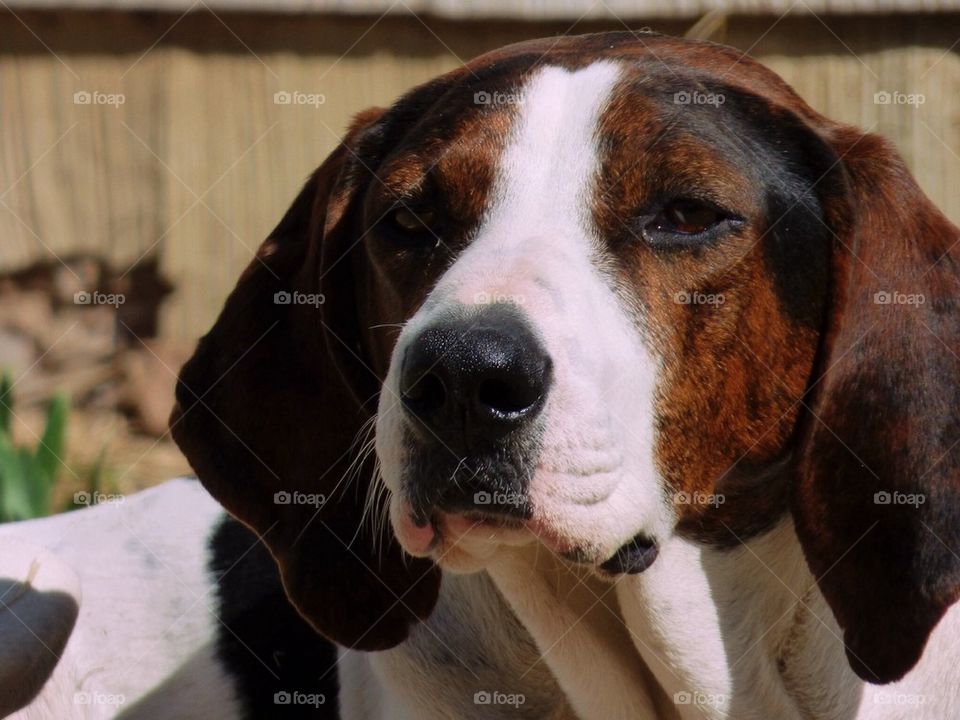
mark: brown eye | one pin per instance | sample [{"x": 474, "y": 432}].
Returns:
[
  {"x": 410, "y": 221},
  {"x": 687, "y": 217}
]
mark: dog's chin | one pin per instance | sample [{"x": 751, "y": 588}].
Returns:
[
  {"x": 466, "y": 542},
  {"x": 460, "y": 542}
]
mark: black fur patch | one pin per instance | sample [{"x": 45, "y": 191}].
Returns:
[{"x": 271, "y": 652}]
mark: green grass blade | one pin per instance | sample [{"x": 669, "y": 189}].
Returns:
[
  {"x": 37, "y": 484},
  {"x": 15, "y": 501},
  {"x": 51, "y": 448},
  {"x": 6, "y": 404}
]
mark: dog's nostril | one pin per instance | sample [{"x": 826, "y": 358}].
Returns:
[
  {"x": 506, "y": 397},
  {"x": 469, "y": 381},
  {"x": 426, "y": 394}
]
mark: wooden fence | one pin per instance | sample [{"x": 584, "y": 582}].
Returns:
[{"x": 133, "y": 135}]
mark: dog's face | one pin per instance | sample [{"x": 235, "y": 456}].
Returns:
[
  {"x": 609, "y": 296},
  {"x": 605, "y": 290}
]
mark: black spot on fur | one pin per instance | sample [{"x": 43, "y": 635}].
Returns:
[{"x": 263, "y": 643}]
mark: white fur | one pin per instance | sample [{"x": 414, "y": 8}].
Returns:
[
  {"x": 470, "y": 644},
  {"x": 576, "y": 623},
  {"x": 146, "y": 620},
  {"x": 713, "y": 624}
]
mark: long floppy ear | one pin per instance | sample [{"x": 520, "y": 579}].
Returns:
[
  {"x": 269, "y": 415},
  {"x": 877, "y": 497}
]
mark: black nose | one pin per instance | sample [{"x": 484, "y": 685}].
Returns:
[{"x": 473, "y": 380}]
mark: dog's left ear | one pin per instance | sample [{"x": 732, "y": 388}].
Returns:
[
  {"x": 273, "y": 412},
  {"x": 877, "y": 496}
]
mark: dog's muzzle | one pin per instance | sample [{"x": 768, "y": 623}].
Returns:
[{"x": 472, "y": 389}]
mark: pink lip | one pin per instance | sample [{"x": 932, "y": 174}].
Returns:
[
  {"x": 418, "y": 540},
  {"x": 421, "y": 541}
]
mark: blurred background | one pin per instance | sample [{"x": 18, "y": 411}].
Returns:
[{"x": 146, "y": 148}]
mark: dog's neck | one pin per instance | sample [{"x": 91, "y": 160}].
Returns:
[
  {"x": 738, "y": 633},
  {"x": 745, "y": 633},
  {"x": 742, "y": 632}
]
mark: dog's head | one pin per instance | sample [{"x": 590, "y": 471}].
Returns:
[{"x": 604, "y": 290}]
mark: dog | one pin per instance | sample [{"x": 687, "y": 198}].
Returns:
[{"x": 652, "y": 370}]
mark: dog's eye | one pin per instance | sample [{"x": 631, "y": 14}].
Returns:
[
  {"x": 685, "y": 222},
  {"x": 687, "y": 217},
  {"x": 413, "y": 222}
]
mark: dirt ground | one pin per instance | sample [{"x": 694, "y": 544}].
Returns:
[{"x": 77, "y": 329}]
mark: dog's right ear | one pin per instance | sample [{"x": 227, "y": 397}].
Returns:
[
  {"x": 876, "y": 502},
  {"x": 268, "y": 415}
]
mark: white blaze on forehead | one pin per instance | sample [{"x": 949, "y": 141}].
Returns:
[
  {"x": 548, "y": 167},
  {"x": 596, "y": 482},
  {"x": 542, "y": 196}
]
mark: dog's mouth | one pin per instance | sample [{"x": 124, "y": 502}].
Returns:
[
  {"x": 440, "y": 532},
  {"x": 439, "y": 522},
  {"x": 484, "y": 505},
  {"x": 433, "y": 535},
  {"x": 494, "y": 522}
]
